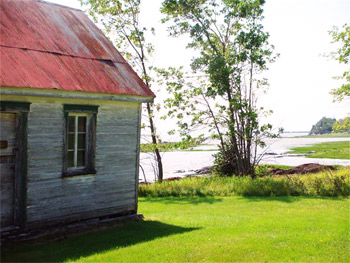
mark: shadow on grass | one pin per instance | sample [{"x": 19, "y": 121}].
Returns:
[
  {"x": 289, "y": 199},
  {"x": 85, "y": 245},
  {"x": 182, "y": 200}
]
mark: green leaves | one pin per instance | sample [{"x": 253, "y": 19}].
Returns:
[
  {"x": 121, "y": 20},
  {"x": 219, "y": 76},
  {"x": 343, "y": 56},
  {"x": 343, "y": 53},
  {"x": 341, "y": 125}
]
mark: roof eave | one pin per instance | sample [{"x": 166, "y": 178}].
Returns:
[{"x": 39, "y": 92}]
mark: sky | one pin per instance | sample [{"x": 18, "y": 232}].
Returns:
[{"x": 302, "y": 77}]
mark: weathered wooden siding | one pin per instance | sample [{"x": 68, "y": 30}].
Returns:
[
  {"x": 7, "y": 173},
  {"x": 51, "y": 198}
]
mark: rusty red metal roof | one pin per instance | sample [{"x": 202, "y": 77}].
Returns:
[{"x": 44, "y": 45}]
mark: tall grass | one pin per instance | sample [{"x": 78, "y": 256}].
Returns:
[{"x": 327, "y": 183}]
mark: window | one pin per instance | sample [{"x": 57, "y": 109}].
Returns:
[
  {"x": 80, "y": 134},
  {"x": 77, "y": 140}
]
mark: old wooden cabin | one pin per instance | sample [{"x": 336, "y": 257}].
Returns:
[{"x": 70, "y": 119}]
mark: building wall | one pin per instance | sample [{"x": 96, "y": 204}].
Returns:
[{"x": 53, "y": 199}]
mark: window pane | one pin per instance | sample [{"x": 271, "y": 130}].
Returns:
[
  {"x": 81, "y": 141},
  {"x": 81, "y": 158},
  {"x": 71, "y": 123},
  {"x": 70, "y": 159},
  {"x": 81, "y": 124},
  {"x": 70, "y": 141}
]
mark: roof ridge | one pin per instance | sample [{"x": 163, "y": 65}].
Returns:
[
  {"x": 49, "y": 3},
  {"x": 62, "y": 54},
  {"x": 58, "y": 5}
]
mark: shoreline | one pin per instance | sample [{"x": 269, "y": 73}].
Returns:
[{"x": 201, "y": 156}]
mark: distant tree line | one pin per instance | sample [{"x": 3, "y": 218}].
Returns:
[{"x": 328, "y": 125}]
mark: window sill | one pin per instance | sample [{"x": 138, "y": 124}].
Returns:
[{"x": 78, "y": 172}]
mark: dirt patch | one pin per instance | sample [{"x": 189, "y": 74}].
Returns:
[
  {"x": 175, "y": 178},
  {"x": 307, "y": 168}
]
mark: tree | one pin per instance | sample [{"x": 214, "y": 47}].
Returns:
[
  {"x": 342, "y": 55},
  {"x": 120, "y": 19},
  {"x": 342, "y": 125},
  {"x": 233, "y": 50},
  {"x": 322, "y": 126}
]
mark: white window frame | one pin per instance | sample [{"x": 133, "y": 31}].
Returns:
[{"x": 76, "y": 133}]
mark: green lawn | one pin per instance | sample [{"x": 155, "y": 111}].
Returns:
[
  {"x": 213, "y": 229},
  {"x": 328, "y": 135},
  {"x": 331, "y": 150}
]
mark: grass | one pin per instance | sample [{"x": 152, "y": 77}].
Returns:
[
  {"x": 327, "y": 183},
  {"x": 200, "y": 150},
  {"x": 171, "y": 146},
  {"x": 330, "y": 150},
  {"x": 162, "y": 147},
  {"x": 328, "y": 135},
  {"x": 212, "y": 229}
]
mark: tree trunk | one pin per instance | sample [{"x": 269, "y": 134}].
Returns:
[{"x": 155, "y": 144}]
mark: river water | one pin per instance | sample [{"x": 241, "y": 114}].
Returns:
[{"x": 183, "y": 163}]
